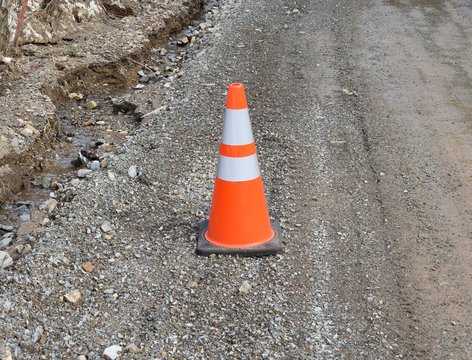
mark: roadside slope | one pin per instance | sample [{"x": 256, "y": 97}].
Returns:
[{"x": 100, "y": 56}]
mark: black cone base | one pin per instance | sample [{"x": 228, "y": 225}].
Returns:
[{"x": 272, "y": 247}]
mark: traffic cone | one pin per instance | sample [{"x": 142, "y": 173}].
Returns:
[{"x": 239, "y": 220}]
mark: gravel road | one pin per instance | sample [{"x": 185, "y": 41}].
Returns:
[{"x": 361, "y": 111}]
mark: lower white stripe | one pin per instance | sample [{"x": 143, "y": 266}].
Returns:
[{"x": 238, "y": 168}]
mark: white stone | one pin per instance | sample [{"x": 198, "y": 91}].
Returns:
[
  {"x": 6, "y": 242},
  {"x": 6, "y": 227},
  {"x": 15, "y": 144},
  {"x": 112, "y": 352},
  {"x": 245, "y": 287},
  {"x": 84, "y": 173},
  {"x": 7, "y": 305},
  {"x": 73, "y": 297},
  {"x": 95, "y": 165},
  {"x": 26, "y": 132},
  {"x": 132, "y": 171},
  {"x": 74, "y": 96},
  {"x": 5, "y": 260},
  {"x": 106, "y": 227},
  {"x": 37, "y": 334},
  {"x": 32, "y": 128},
  {"x": 25, "y": 217},
  {"x": 5, "y": 354},
  {"x": 6, "y": 60},
  {"x": 49, "y": 205}
]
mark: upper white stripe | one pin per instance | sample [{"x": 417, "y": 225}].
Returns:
[
  {"x": 238, "y": 168},
  {"x": 237, "y": 128}
]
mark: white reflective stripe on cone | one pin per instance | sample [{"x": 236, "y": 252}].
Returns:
[
  {"x": 238, "y": 168},
  {"x": 237, "y": 128}
]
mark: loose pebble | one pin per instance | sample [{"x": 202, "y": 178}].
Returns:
[
  {"x": 132, "y": 171},
  {"x": 88, "y": 266},
  {"x": 75, "y": 182},
  {"x": 49, "y": 205},
  {"x": 131, "y": 348},
  {"x": 6, "y": 242},
  {"x": 73, "y": 297},
  {"x": 90, "y": 105},
  {"x": 6, "y": 227},
  {"x": 112, "y": 352},
  {"x": 5, "y": 260},
  {"x": 192, "y": 284},
  {"x": 245, "y": 287},
  {"x": 5, "y": 353},
  {"x": 81, "y": 173},
  {"x": 75, "y": 96},
  {"x": 95, "y": 165},
  {"x": 27, "y": 132},
  {"x": 37, "y": 334},
  {"x": 106, "y": 227},
  {"x": 6, "y": 60}
]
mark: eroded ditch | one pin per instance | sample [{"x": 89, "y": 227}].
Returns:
[{"x": 90, "y": 127}]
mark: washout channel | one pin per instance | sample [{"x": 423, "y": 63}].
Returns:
[{"x": 90, "y": 128}]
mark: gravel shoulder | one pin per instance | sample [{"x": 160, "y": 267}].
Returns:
[{"x": 361, "y": 113}]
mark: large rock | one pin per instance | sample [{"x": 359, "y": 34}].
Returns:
[
  {"x": 56, "y": 20},
  {"x": 8, "y": 15},
  {"x": 49, "y": 21}
]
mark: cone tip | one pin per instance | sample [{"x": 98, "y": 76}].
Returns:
[{"x": 236, "y": 99}]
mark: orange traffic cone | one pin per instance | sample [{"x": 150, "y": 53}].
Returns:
[{"x": 239, "y": 220}]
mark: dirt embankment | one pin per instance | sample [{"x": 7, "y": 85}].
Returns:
[{"x": 86, "y": 47}]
